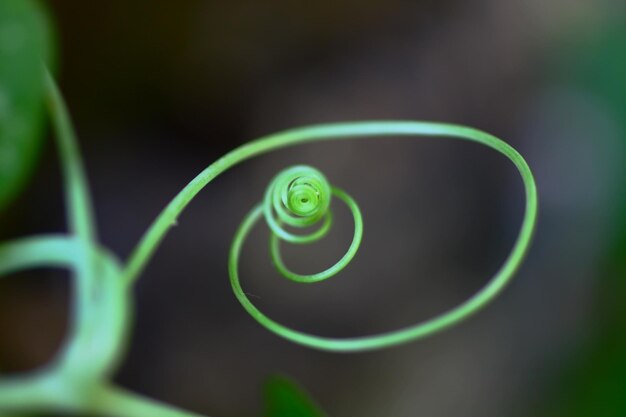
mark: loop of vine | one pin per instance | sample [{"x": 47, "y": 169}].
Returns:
[{"x": 78, "y": 379}]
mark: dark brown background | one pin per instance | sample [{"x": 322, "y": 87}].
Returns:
[{"x": 158, "y": 90}]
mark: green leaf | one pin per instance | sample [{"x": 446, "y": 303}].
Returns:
[
  {"x": 25, "y": 45},
  {"x": 284, "y": 398}
]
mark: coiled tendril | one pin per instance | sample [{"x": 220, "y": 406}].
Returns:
[
  {"x": 300, "y": 197},
  {"x": 79, "y": 378}
]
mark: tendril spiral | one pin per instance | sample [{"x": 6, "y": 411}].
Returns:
[
  {"x": 300, "y": 197},
  {"x": 79, "y": 378}
]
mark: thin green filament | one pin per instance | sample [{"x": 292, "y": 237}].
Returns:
[
  {"x": 275, "y": 248},
  {"x": 378, "y": 341},
  {"x": 300, "y": 197}
]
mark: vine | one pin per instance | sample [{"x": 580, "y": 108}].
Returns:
[{"x": 78, "y": 378}]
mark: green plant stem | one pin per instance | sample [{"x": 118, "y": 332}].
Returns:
[
  {"x": 78, "y": 201},
  {"x": 93, "y": 265}
]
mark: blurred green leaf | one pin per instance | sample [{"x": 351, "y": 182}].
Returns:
[
  {"x": 593, "y": 381},
  {"x": 284, "y": 398},
  {"x": 25, "y": 44}
]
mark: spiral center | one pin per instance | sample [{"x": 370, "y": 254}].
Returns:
[
  {"x": 303, "y": 199},
  {"x": 299, "y": 197}
]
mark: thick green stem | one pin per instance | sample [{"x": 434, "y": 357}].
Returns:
[{"x": 78, "y": 203}]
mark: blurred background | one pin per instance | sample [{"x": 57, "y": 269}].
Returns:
[{"x": 159, "y": 90}]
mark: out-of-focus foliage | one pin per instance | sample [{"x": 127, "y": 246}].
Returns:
[
  {"x": 283, "y": 398},
  {"x": 595, "y": 384},
  {"x": 25, "y": 43},
  {"x": 596, "y": 65}
]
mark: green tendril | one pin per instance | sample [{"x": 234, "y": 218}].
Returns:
[{"x": 300, "y": 197}]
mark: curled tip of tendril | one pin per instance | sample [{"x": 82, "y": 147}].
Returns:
[{"x": 300, "y": 197}]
